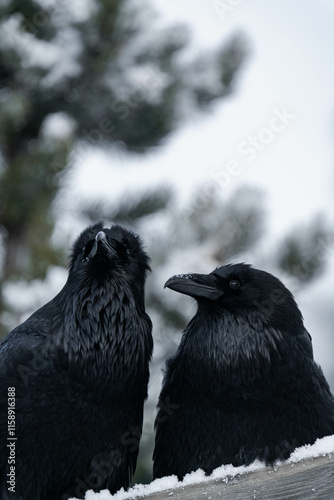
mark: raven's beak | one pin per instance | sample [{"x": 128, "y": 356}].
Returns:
[
  {"x": 103, "y": 245},
  {"x": 195, "y": 285},
  {"x": 101, "y": 235}
]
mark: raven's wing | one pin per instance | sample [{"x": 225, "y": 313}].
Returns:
[
  {"x": 30, "y": 347},
  {"x": 26, "y": 355},
  {"x": 304, "y": 342}
]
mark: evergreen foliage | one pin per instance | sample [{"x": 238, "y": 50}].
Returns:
[{"x": 104, "y": 77}]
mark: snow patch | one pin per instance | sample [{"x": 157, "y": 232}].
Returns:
[
  {"x": 58, "y": 126},
  {"x": 321, "y": 447}
]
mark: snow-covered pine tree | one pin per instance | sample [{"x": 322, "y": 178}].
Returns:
[{"x": 71, "y": 80}]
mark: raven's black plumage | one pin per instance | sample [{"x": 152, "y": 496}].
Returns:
[
  {"x": 243, "y": 384},
  {"x": 79, "y": 366}
]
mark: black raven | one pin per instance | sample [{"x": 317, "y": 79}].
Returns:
[
  {"x": 243, "y": 384},
  {"x": 73, "y": 377}
]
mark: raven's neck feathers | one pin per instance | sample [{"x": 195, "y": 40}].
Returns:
[
  {"x": 105, "y": 326},
  {"x": 230, "y": 345}
]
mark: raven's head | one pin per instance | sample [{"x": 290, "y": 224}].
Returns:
[
  {"x": 103, "y": 303},
  {"x": 109, "y": 254},
  {"x": 245, "y": 292}
]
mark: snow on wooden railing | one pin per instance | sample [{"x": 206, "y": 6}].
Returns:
[
  {"x": 307, "y": 475},
  {"x": 307, "y": 480}
]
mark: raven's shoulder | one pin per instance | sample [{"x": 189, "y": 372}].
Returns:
[
  {"x": 30, "y": 341},
  {"x": 303, "y": 344}
]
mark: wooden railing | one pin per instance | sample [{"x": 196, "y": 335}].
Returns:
[{"x": 309, "y": 479}]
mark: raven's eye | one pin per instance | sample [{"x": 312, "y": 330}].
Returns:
[
  {"x": 234, "y": 284},
  {"x": 87, "y": 248},
  {"x": 122, "y": 251}
]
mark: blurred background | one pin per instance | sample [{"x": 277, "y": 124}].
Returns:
[{"x": 206, "y": 126}]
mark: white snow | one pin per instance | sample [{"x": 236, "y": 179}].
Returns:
[
  {"x": 58, "y": 126},
  {"x": 321, "y": 447},
  {"x": 324, "y": 446}
]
